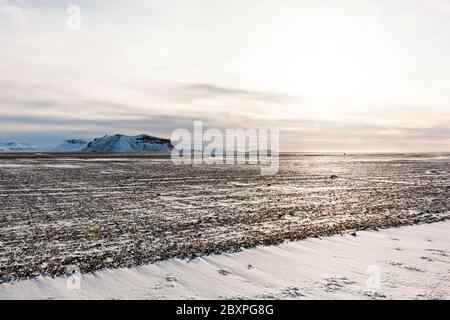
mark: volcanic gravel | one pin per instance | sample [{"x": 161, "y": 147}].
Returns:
[{"x": 61, "y": 211}]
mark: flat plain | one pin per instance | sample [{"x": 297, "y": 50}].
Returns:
[{"x": 109, "y": 211}]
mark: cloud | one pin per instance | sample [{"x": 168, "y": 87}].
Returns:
[
  {"x": 12, "y": 14},
  {"x": 312, "y": 135},
  {"x": 136, "y": 66},
  {"x": 443, "y": 82},
  {"x": 66, "y": 115},
  {"x": 203, "y": 90}
]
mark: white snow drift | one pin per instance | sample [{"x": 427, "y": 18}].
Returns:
[{"x": 400, "y": 263}]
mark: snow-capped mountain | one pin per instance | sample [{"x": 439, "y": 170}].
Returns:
[
  {"x": 16, "y": 147},
  {"x": 122, "y": 143},
  {"x": 72, "y": 145}
]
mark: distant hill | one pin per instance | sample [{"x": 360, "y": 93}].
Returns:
[
  {"x": 123, "y": 143},
  {"x": 16, "y": 147},
  {"x": 72, "y": 145}
]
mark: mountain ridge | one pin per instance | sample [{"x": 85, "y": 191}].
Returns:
[
  {"x": 124, "y": 143},
  {"x": 117, "y": 143}
]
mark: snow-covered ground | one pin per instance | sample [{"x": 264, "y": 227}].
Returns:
[
  {"x": 410, "y": 262},
  {"x": 112, "y": 213}
]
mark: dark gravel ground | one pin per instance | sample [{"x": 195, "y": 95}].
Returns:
[{"x": 57, "y": 211}]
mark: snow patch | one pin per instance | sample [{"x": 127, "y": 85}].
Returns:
[{"x": 329, "y": 268}]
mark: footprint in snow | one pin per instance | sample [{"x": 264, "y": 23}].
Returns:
[
  {"x": 427, "y": 259},
  {"x": 224, "y": 272},
  {"x": 292, "y": 292},
  {"x": 438, "y": 252},
  {"x": 337, "y": 283},
  {"x": 404, "y": 266},
  {"x": 171, "y": 279},
  {"x": 374, "y": 294},
  {"x": 268, "y": 296}
]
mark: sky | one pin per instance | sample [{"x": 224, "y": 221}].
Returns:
[{"x": 350, "y": 75}]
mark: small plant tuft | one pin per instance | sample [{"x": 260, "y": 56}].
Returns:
[{"x": 93, "y": 233}]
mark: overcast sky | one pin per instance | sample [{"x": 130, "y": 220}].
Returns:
[{"x": 350, "y": 75}]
